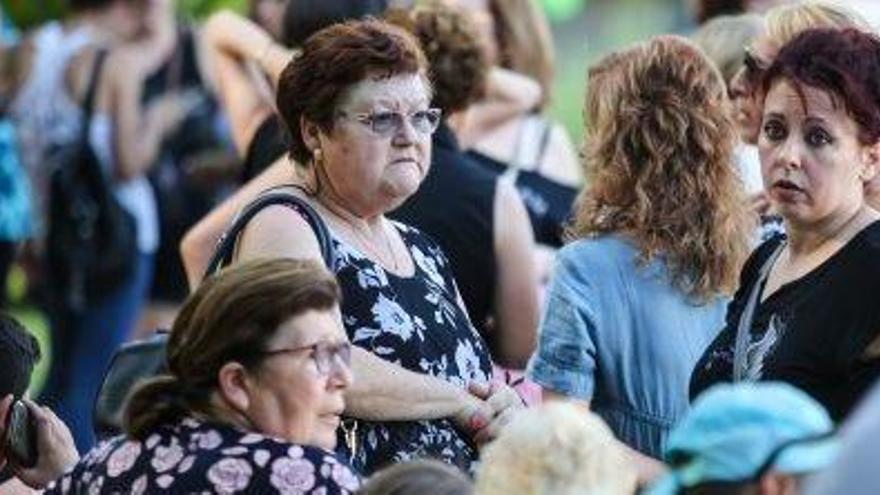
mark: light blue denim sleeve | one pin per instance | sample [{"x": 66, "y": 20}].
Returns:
[{"x": 565, "y": 360}]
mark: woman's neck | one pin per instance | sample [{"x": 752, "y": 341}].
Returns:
[{"x": 833, "y": 232}]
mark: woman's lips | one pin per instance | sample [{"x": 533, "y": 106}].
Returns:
[{"x": 787, "y": 190}]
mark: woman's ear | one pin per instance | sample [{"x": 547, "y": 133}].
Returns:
[
  {"x": 870, "y": 162},
  {"x": 235, "y": 386},
  {"x": 310, "y": 134}
]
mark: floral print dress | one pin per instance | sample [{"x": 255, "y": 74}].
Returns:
[
  {"x": 415, "y": 322},
  {"x": 191, "y": 456}
]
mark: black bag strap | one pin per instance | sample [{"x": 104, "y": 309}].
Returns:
[
  {"x": 92, "y": 91},
  {"x": 225, "y": 249}
]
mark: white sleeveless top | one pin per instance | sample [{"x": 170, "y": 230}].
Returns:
[
  {"x": 135, "y": 194},
  {"x": 43, "y": 113}
]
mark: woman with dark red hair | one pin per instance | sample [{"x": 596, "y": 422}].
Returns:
[{"x": 806, "y": 311}]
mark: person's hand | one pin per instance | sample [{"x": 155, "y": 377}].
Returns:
[
  {"x": 170, "y": 110},
  {"x": 473, "y": 415},
  {"x": 56, "y": 451},
  {"x": 504, "y": 402}
]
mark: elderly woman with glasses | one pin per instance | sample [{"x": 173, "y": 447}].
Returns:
[
  {"x": 258, "y": 363},
  {"x": 356, "y": 103}
]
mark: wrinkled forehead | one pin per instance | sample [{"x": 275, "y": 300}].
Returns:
[
  {"x": 398, "y": 92},
  {"x": 800, "y": 101}
]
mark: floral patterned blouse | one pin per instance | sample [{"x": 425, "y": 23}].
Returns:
[
  {"x": 196, "y": 457},
  {"x": 417, "y": 323}
]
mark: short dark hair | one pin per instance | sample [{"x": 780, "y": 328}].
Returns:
[
  {"x": 19, "y": 352},
  {"x": 457, "y": 63},
  {"x": 842, "y": 62},
  {"x": 303, "y": 18},
  {"x": 333, "y": 60},
  {"x": 417, "y": 478}
]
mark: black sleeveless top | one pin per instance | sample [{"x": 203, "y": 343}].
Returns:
[
  {"x": 547, "y": 201},
  {"x": 455, "y": 206},
  {"x": 812, "y": 332}
]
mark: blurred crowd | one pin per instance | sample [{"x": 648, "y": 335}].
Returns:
[{"x": 340, "y": 246}]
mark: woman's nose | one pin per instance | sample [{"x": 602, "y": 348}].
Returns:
[{"x": 340, "y": 372}]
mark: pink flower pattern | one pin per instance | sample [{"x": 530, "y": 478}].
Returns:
[{"x": 176, "y": 458}]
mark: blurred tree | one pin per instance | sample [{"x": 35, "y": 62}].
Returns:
[{"x": 563, "y": 10}]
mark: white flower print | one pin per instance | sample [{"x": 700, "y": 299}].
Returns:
[
  {"x": 468, "y": 362},
  {"x": 251, "y": 438},
  {"x": 372, "y": 277},
  {"x": 210, "y": 440},
  {"x": 392, "y": 318},
  {"x": 186, "y": 464},
  {"x": 292, "y": 475},
  {"x": 164, "y": 481},
  {"x": 166, "y": 458},
  {"x": 261, "y": 457},
  {"x": 152, "y": 441},
  {"x": 95, "y": 486},
  {"x": 139, "y": 487},
  {"x": 230, "y": 475},
  {"x": 429, "y": 266},
  {"x": 296, "y": 452},
  {"x": 239, "y": 450},
  {"x": 343, "y": 477},
  {"x": 123, "y": 458}
]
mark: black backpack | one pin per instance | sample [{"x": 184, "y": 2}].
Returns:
[{"x": 92, "y": 239}]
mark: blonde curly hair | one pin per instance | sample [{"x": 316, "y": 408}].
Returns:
[
  {"x": 557, "y": 448},
  {"x": 658, "y": 160}
]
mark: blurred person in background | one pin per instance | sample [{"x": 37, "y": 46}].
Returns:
[
  {"x": 748, "y": 439},
  {"x": 555, "y": 449},
  {"x": 421, "y": 477},
  {"x": 478, "y": 220},
  {"x": 258, "y": 364},
  {"x": 268, "y": 14},
  {"x": 517, "y": 37},
  {"x": 805, "y": 310},
  {"x": 57, "y": 63},
  {"x": 356, "y": 104},
  {"x": 640, "y": 291},
  {"x": 19, "y": 353},
  {"x": 854, "y": 471},
  {"x": 722, "y": 40},
  {"x": 194, "y": 164}
]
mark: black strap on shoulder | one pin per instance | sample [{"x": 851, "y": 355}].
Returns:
[
  {"x": 92, "y": 90},
  {"x": 275, "y": 196}
]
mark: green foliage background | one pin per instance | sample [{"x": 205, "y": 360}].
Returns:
[{"x": 27, "y": 13}]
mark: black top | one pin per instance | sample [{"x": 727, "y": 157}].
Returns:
[
  {"x": 416, "y": 323},
  {"x": 812, "y": 332},
  {"x": 268, "y": 144},
  {"x": 455, "y": 206},
  {"x": 548, "y": 202}
]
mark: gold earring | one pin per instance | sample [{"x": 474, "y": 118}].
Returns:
[{"x": 317, "y": 156}]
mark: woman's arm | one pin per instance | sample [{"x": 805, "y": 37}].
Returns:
[
  {"x": 508, "y": 95},
  {"x": 381, "y": 390},
  {"x": 198, "y": 244},
  {"x": 516, "y": 289},
  {"x": 240, "y": 38},
  {"x": 138, "y": 132}
]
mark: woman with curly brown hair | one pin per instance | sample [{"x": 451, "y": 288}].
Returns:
[{"x": 660, "y": 236}]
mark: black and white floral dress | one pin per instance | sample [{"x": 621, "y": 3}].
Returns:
[
  {"x": 192, "y": 456},
  {"x": 417, "y": 323}
]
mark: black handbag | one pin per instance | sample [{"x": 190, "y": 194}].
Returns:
[
  {"x": 92, "y": 240},
  {"x": 140, "y": 360}
]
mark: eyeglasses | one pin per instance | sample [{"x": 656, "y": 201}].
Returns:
[
  {"x": 754, "y": 66},
  {"x": 325, "y": 354},
  {"x": 387, "y": 124}
]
